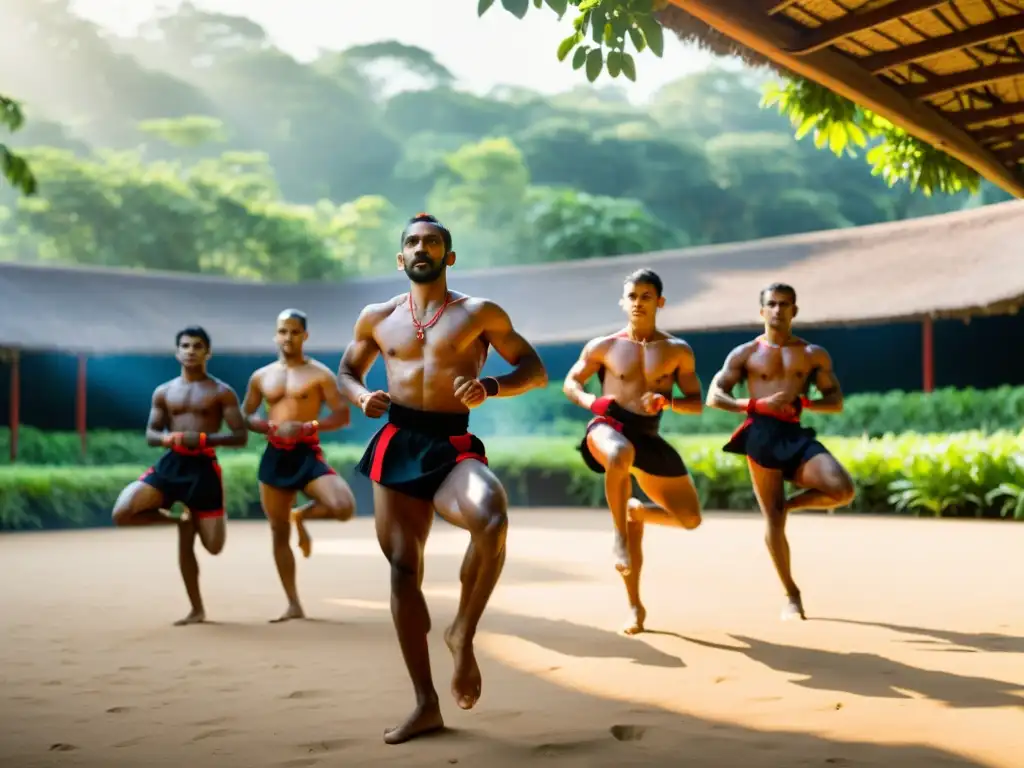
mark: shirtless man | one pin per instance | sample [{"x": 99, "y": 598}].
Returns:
[
  {"x": 638, "y": 368},
  {"x": 185, "y": 417},
  {"x": 434, "y": 342},
  {"x": 779, "y": 369},
  {"x": 296, "y": 388}
]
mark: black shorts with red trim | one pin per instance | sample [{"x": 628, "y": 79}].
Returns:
[
  {"x": 189, "y": 477},
  {"x": 416, "y": 450},
  {"x": 292, "y": 464},
  {"x": 654, "y": 454},
  {"x": 775, "y": 443}
]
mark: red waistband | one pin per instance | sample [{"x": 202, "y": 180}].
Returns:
[
  {"x": 183, "y": 451},
  {"x": 288, "y": 443}
]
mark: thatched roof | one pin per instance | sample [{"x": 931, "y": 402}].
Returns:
[
  {"x": 950, "y": 72},
  {"x": 953, "y": 265}
]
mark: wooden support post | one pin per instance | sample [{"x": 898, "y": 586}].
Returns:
[
  {"x": 14, "y": 407},
  {"x": 80, "y": 402},
  {"x": 928, "y": 354}
]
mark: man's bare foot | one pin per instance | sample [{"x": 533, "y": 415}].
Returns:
[
  {"x": 636, "y": 626},
  {"x": 195, "y": 617},
  {"x": 467, "y": 682},
  {"x": 620, "y": 551},
  {"x": 794, "y": 609},
  {"x": 426, "y": 718},
  {"x": 294, "y": 611},
  {"x": 305, "y": 542}
]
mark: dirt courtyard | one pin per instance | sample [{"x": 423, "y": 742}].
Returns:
[{"x": 913, "y": 654}]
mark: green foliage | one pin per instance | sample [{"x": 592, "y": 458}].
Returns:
[
  {"x": 841, "y": 125},
  {"x": 603, "y": 29},
  {"x": 966, "y": 474},
  {"x": 13, "y": 166},
  {"x": 547, "y": 413}
]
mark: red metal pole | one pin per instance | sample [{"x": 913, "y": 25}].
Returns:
[
  {"x": 14, "y": 408},
  {"x": 80, "y": 412},
  {"x": 928, "y": 354}
]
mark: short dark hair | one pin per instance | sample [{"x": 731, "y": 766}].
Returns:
[
  {"x": 647, "y": 277},
  {"x": 295, "y": 314},
  {"x": 778, "y": 288},
  {"x": 426, "y": 218},
  {"x": 196, "y": 332}
]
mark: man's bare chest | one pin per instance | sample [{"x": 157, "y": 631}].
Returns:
[
  {"x": 452, "y": 339},
  {"x": 293, "y": 384},
  {"x": 642, "y": 362},
  {"x": 198, "y": 399},
  {"x": 773, "y": 363}
]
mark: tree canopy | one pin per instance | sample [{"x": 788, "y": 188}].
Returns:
[{"x": 199, "y": 146}]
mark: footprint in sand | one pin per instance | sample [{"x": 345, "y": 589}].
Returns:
[
  {"x": 212, "y": 721},
  {"x": 118, "y": 710},
  {"x": 216, "y": 733},
  {"x": 330, "y": 745},
  {"x": 305, "y": 694},
  {"x": 130, "y": 742},
  {"x": 61, "y": 747},
  {"x": 628, "y": 732}
]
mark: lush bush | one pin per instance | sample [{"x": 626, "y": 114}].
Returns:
[
  {"x": 548, "y": 413},
  {"x": 966, "y": 474}
]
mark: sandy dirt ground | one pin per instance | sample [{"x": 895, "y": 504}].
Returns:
[{"x": 913, "y": 654}]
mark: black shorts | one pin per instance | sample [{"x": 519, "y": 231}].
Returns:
[
  {"x": 291, "y": 465},
  {"x": 189, "y": 477},
  {"x": 416, "y": 450},
  {"x": 775, "y": 444},
  {"x": 654, "y": 455}
]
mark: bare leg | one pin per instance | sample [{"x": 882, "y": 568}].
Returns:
[
  {"x": 770, "y": 493},
  {"x": 403, "y": 524},
  {"x": 277, "y": 505},
  {"x": 473, "y": 498},
  {"x": 189, "y": 566},
  {"x": 676, "y": 504},
  {"x": 141, "y": 504},
  {"x": 332, "y": 499},
  {"x": 616, "y": 454},
  {"x": 826, "y": 485},
  {"x": 635, "y": 625}
]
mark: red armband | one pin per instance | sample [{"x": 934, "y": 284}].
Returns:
[
  {"x": 600, "y": 406},
  {"x": 752, "y": 406}
]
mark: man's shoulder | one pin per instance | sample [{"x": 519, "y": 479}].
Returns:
[
  {"x": 381, "y": 309},
  {"x": 161, "y": 390},
  {"x": 319, "y": 368}
]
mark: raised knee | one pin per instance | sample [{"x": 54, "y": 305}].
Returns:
[
  {"x": 621, "y": 457},
  {"x": 121, "y": 514},
  {"x": 343, "y": 506},
  {"x": 843, "y": 491},
  {"x": 690, "y": 519}
]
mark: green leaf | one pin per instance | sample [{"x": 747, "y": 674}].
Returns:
[
  {"x": 597, "y": 22},
  {"x": 567, "y": 45},
  {"x": 580, "y": 57},
  {"x": 558, "y": 6},
  {"x": 483, "y": 6},
  {"x": 654, "y": 34},
  {"x": 595, "y": 60},
  {"x": 638, "y": 39},
  {"x": 628, "y": 67},
  {"x": 614, "y": 63},
  {"x": 517, "y": 8}
]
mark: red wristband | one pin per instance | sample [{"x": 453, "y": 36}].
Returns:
[
  {"x": 751, "y": 406},
  {"x": 804, "y": 401},
  {"x": 202, "y": 440},
  {"x": 600, "y": 406}
]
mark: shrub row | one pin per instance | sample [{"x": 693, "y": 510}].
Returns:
[
  {"x": 548, "y": 413},
  {"x": 965, "y": 474}
]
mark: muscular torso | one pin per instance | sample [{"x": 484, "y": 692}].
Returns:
[
  {"x": 293, "y": 393},
  {"x": 630, "y": 369},
  {"x": 193, "y": 406},
  {"x": 771, "y": 369},
  {"x": 421, "y": 374}
]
